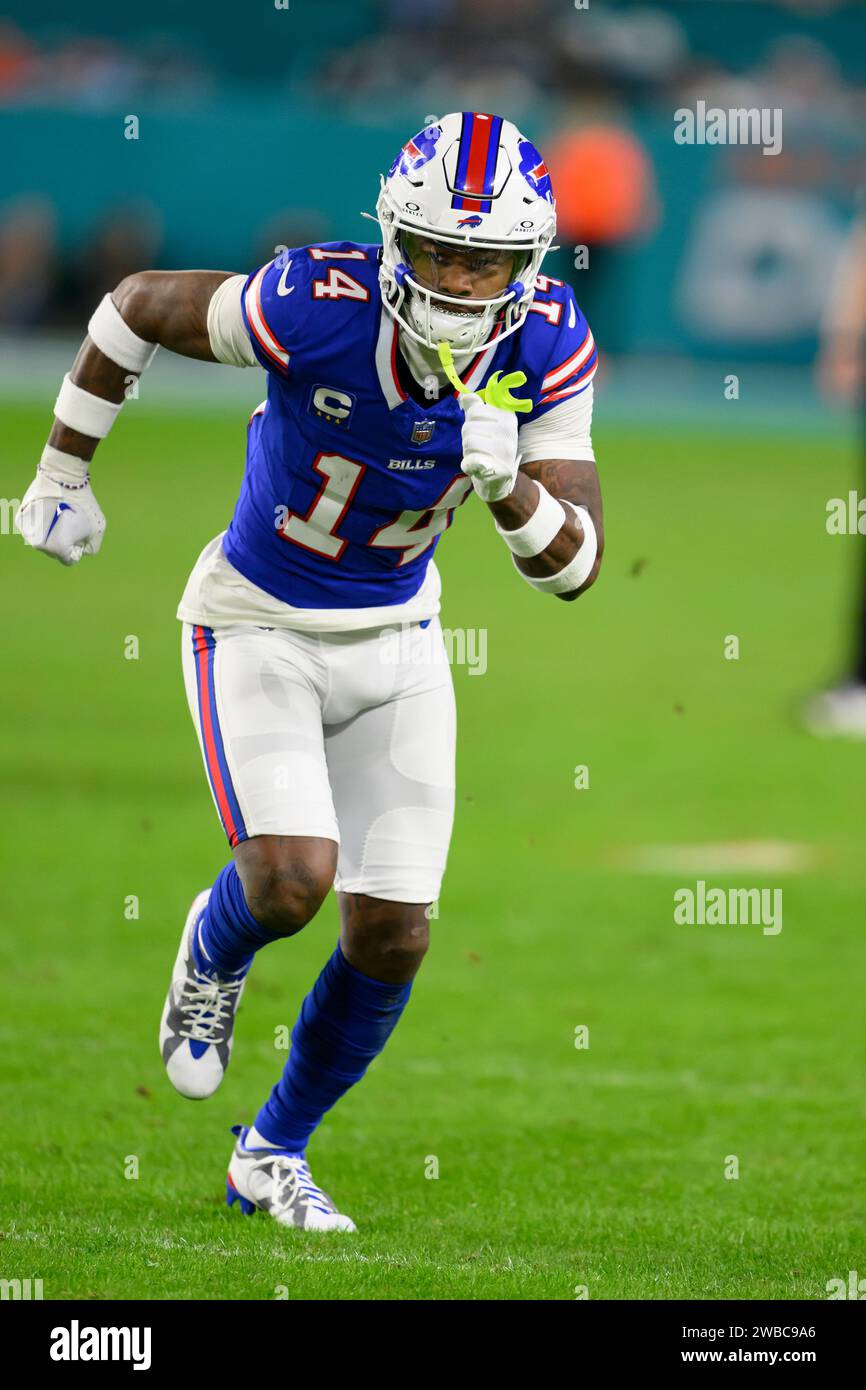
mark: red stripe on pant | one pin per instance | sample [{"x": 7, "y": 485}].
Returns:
[{"x": 209, "y": 723}]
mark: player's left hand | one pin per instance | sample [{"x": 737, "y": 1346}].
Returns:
[{"x": 490, "y": 456}]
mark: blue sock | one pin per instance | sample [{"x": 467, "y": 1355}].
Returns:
[
  {"x": 228, "y": 933},
  {"x": 344, "y": 1023}
]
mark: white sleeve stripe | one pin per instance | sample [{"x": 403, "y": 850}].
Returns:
[
  {"x": 570, "y": 389},
  {"x": 571, "y": 364},
  {"x": 258, "y": 323}
]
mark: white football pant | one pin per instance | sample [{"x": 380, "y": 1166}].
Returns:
[{"x": 349, "y": 736}]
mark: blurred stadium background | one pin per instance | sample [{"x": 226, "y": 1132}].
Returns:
[
  {"x": 263, "y": 126},
  {"x": 260, "y": 126}
]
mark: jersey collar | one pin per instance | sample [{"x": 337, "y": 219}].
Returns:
[{"x": 386, "y": 364}]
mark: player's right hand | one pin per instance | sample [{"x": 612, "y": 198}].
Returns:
[
  {"x": 65, "y": 522},
  {"x": 490, "y": 456}
]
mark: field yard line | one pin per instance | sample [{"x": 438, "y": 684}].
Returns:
[
  {"x": 731, "y": 856},
  {"x": 294, "y": 1255}
]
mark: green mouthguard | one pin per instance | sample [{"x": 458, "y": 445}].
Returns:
[{"x": 498, "y": 389}]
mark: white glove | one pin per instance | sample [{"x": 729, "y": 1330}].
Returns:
[
  {"x": 59, "y": 513},
  {"x": 490, "y": 456}
]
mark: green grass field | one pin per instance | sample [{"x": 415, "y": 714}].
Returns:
[{"x": 558, "y": 1167}]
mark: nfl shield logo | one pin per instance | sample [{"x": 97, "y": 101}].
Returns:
[{"x": 422, "y": 431}]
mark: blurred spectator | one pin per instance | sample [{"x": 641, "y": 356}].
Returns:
[
  {"x": 798, "y": 74},
  {"x": 604, "y": 185},
  {"x": 92, "y": 71},
  {"x": 841, "y": 373},
  {"x": 482, "y": 55},
  {"x": 98, "y": 72},
  {"x": 606, "y": 199},
  {"x": 126, "y": 238},
  {"x": 28, "y": 261},
  {"x": 17, "y": 59},
  {"x": 620, "y": 50}
]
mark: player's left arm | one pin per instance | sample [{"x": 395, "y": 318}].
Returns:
[
  {"x": 541, "y": 485},
  {"x": 537, "y": 473},
  {"x": 573, "y": 481}
]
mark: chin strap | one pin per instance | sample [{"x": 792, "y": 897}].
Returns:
[{"x": 498, "y": 389}]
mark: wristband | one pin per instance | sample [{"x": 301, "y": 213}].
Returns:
[
  {"x": 66, "y": 470},
  {"x": 578, "y": 569},
  {"x": 536, "y": 534},
  {"x": 82, "y": 411},
  {"x": 110, "y": 332}
]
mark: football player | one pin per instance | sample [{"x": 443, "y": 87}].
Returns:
[{"x": 402, "y": 379}]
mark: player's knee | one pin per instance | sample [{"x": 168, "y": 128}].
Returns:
[
  {"x": 285, "y": 897},
  {"x": 286, "y": 879},
  {"x": 385, "y": 940}
]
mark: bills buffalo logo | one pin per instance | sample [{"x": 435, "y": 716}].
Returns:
[
  {"x": 417, "y": 151},
  {"x": 473, "y": 221},
  {"x": 534, "y": 170}
]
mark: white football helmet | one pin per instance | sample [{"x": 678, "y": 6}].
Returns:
[{"x": 470, "y": 181}]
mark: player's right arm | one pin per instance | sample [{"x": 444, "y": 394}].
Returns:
[{"x": 59, "y": 513}]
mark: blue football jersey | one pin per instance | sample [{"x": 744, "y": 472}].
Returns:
[{"x": 351, "y": 474}]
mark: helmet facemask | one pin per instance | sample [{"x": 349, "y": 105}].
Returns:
[
  {"x": 436, "y": 309},
  {"x": 428, "y": 314}
]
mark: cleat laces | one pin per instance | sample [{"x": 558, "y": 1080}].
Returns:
[
  {"x": 207, "y": 1006},
  {"x": 292, "y": 1178}
]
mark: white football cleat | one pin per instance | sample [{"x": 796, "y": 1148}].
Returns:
[
  {"x": 195, "y": 1035},
  {"x": 281, "y": 1184},
  {"x": 839, "y": 712}
]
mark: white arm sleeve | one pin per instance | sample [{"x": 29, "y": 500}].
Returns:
[
  {"x": 229, "y": 340},
  {"x": 563, "y": 433}
]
